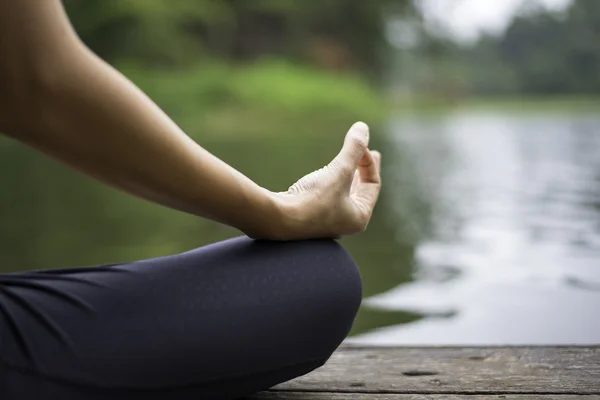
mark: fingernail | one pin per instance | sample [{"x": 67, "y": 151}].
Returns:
[{"x": 361, "y": 128}]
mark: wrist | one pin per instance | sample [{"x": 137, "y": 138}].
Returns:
[{"x": 283, "y": 219}]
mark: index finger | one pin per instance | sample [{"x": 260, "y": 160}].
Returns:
[{"x": 368, "y": 167}]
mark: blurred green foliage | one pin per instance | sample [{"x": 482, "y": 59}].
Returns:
[
  {"x": 182, "y": 31},
  {"x": 268, "y": 85},
  {"x": 209, "y": 62}
]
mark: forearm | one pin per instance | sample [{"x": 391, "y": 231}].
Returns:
[
  {"x": 88, "y": 115},
  {"x": 100, "y": 123}
]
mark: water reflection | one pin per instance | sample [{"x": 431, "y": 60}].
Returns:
[{"x": 509, "y": 250}]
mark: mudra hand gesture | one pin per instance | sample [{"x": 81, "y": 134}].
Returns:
[{"x": 339, "y": 198}]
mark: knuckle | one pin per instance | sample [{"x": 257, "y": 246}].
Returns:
[
  {"x": 347, "y": 171},
  {"x": 333, "y": 166},
  {"x": 341, "y": 168},
  {"x": 358, "y": 142}
]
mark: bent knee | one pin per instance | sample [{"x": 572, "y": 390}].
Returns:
[
  {"x": 301, "y": 296},
  {"x": 345, "y": 284},
  {"x": 334, "y": 286}
]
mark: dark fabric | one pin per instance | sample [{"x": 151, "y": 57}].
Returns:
[{"x": 220, "y": 321}]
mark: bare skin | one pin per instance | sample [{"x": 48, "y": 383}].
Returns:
[{"x": 60, "y": 98}]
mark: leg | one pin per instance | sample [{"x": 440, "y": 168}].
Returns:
[{"x": 221, "y": 321}]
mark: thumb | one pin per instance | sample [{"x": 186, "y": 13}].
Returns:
[{"x": 355, "y": 145}]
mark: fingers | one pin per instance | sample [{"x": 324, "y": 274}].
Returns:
[
  {"x": 366, "y": 192},
  {"x": 368, "y": 167},
  {"x": 377, "y": 157},
  {"x": 355, "y": 146},
  {"x": 366, "y": 195}
]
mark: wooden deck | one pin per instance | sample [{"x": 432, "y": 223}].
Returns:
[{"x": 452, "y": 373}]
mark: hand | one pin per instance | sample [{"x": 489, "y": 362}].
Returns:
[{"x": 337, "y": 199}]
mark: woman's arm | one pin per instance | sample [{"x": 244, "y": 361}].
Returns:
[
  {"x": 59, "y": 97},
  {"x": 63, "y": 100}
]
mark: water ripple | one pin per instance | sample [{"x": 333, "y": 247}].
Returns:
[{"x": 510, "y": 246}]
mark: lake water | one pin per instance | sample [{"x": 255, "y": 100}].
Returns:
[
  {"x": 507, "y": 245},
  {"x": 487, "y": 230}
]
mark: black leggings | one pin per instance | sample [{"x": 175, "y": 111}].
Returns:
[{"x": 221, "y": 321}]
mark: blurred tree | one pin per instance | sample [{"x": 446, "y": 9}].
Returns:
[
  {"x": 329, "y": 33},
  {"x": 151, "y": 30},
  {"x": 554, "y": 53},
  {"x": 541, "y": 52}
]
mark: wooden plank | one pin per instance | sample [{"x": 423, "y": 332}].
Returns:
[
  {"x": 375, "y": 396},
  {"x": 453, "y": 370}
]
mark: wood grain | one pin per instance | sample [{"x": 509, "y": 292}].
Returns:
[
  {"x": 451, "y": 371},
  {"x": 375, "y": 396}
]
